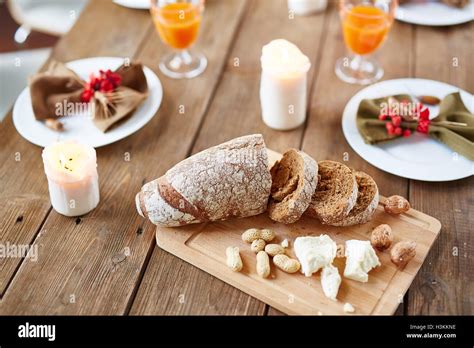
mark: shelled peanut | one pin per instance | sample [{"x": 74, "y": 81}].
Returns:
[
  {"x": 396, "y": 205},
  {"x": 381, "y": 237},
  {"x": 402, "y": 253}
]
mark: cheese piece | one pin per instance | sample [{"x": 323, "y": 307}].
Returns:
[
  {"x": 330, "y": 281},
  {"x": 314, "y": 253},
  {"x": 360, "y": 259},
  {"x": 348, "y": 308}
]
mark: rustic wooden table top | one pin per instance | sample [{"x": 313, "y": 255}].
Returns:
[{"x": 82, "y": 267}]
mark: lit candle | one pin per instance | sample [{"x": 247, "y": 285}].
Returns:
[
  {"x": 305, "y": 7},
  {"x": 71, "y": 169},
  {"x": 283, "y": 85}
]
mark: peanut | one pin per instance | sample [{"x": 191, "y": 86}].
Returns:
[
  {"x": 233, "y": 259},
  {"x": 263, "y": 264},
  {"x": 286, "y": 264},
  {"x": 257, "y": 245},
  {"x": 381, "y": 237},
  {"x": 274, "y": 249},
  {"x": 285, "y": 243},
  {"x": 254, "y": 233},
  {"x": 402, "y": 253},
  {"x": 396, "y": 205},
  {"x": 54, "y": 124}
]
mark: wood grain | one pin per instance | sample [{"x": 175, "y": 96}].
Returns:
[
  {"x": 24, "y": 202},
  {"x": 98, "y": 261},
  {"x": 235, "y": 110},
  {"x": 83, "y": 267},
  {"x": 444, "y": 285}
]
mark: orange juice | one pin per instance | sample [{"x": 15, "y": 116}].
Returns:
[
  {"x": 365, "y": 28},
  {"x": 177, "y": 23}
]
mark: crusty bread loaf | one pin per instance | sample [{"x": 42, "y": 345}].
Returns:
[
  {"x": 228, "y": 180},
  {"x": 294, "y": 180},
  {"x": 367, "y": 201},
  {"x": 336, "y": 193}
]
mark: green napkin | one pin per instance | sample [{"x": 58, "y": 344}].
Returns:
[{"x": 460, "y": 138}]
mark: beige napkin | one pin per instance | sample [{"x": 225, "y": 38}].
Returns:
[{"x": 59, "y": 85}]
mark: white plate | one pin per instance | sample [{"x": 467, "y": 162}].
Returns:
[
  {"x": 80, "y": 127},
  {"x": 434, "y": 14},
  {"x": 418, "y": 156},
  {"x": 136, "y": 4}
]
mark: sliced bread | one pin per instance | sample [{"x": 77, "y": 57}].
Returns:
[
  {"x": 294, "y": 180},
  {"x": 336, "y": 193},
  {"x": 367, "y": 201}
]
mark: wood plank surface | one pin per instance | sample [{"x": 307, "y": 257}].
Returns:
[
  {"x": 235, "y": 111},
  {"x": 24, "y": 203},
  {"x": 444, "y": 285},
  {"x": 84, "y": 264}
]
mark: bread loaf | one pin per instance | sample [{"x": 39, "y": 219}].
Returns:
[
  {"x": 367, "y": 201},
  {"x": 228, "y": 180},
  {"x": 294, "y": 180},
  {"x": 336, "y": 193}
]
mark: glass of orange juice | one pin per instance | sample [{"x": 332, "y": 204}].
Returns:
[
  {"x": 177, "y": 23},
  {"x": 365, "y": 26}
]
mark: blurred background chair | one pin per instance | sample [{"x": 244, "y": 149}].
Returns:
[{"x": 52, "y": 17}]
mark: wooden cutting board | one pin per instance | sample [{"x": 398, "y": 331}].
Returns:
[{"x": 203, "y": 245}]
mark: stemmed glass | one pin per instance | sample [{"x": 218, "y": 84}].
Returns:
[
  {"x": 365, "y": 26},
  {"x": 177, "y": 23}
]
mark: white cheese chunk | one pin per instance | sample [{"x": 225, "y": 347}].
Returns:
[
  {"x": 330, "y": 281},
  {"x": 314, "y": 253},
  {"x": 348, "y": 308},
  {"x": 360, "y": 259}
]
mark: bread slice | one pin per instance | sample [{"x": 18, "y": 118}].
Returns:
[
  {"x": 294, "y": 180},
  {"x": 336, "y": 193},
  {"x": 367, "y": 201}
]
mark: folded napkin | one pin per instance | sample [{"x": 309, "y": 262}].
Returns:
[
  {"x": 59, "y": 86},
  {"x": 454, "y": 125}
]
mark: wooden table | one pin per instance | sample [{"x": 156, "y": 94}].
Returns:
[{"x": 82, "y": 267}]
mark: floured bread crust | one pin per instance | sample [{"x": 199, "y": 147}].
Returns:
[
  {"x": 294, "y": 178},
  {"x": 228, "y": 180},
  {"x": 367, "y": 201},
  {"x": 336, "y": 193}
]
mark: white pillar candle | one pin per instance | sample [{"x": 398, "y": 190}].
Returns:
[
  {"x": 71, "y": 169},
  {"x": 305, "y": 7},
  {"x": 283, "y": 85}
]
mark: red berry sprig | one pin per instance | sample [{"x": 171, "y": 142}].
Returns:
[
  {"x": 106, "y": 81},
  {"x": 393, "y": 123}
]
